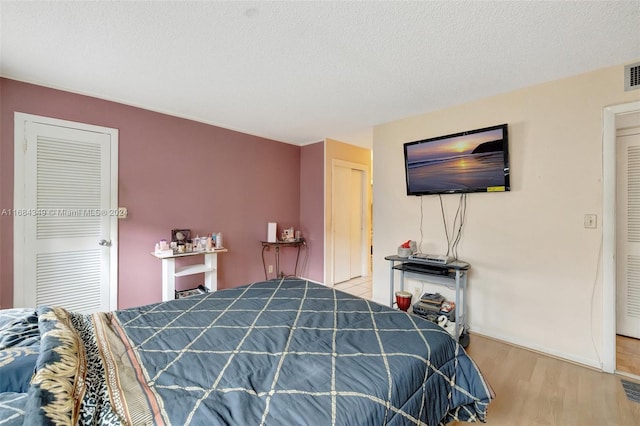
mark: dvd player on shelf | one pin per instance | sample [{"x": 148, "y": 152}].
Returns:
[
  {"x": 423, "y": 268},
  {"x": 439, "y": 259}
]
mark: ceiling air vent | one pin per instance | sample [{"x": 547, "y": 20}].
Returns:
[{"x": 632, "y": 77}]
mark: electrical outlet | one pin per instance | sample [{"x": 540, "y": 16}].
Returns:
[
  {"x": 417, "y": 293},
  {"x": 271, "y": 269}
]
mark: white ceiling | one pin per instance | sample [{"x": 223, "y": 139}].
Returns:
[{"x": 298, "y": 72}]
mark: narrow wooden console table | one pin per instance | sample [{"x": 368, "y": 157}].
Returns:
[{"x": 170, "y": 271}]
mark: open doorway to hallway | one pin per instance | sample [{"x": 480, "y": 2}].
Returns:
[
  {"x": 348, "y": 200},
  {"x": 616, "y": 262}
]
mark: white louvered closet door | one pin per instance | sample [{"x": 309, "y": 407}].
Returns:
[
  {"x": 67, "y": 194},
  {"x": 628, "y": 234}
]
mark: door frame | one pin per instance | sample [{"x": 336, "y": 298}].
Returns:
[
  {"x": 20, "y": 141},
  {"x": 365, "y": 216},
  {"x": 609, "y": 231}
]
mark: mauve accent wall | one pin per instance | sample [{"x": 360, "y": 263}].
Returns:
[
  {"x": 173, "y": 173},
  {"x": 312, "y": 208}
]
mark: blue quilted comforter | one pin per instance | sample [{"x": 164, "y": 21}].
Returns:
[{"x": 286, "y": 352}]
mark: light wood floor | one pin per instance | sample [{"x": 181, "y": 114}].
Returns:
[
  {"x": 628, "y": 355},
  {"x": 534, "y": 389}
]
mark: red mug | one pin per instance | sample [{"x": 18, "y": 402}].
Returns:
[{"x": 403, "y": 300}]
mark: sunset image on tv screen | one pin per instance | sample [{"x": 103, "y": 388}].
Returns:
[{"x": 468, "y": 162}]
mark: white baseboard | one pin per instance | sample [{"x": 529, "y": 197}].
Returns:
[
  {"x": 628, "y": 375},
  {"x": 313, "y": 281},
  {"x": 587, "y": 362}
]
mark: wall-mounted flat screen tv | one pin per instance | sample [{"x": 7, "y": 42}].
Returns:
[{"x": 472, "y": 161}]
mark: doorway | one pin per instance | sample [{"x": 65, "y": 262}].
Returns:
[
  {"x": 65, "y": 227},
  {"x": 628, "y": 244},
  {"x": 613, "y": 119},
  {"x": 349, "y": 238}
]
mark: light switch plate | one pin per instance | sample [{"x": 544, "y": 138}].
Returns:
[{"x": 590, "y": 221}]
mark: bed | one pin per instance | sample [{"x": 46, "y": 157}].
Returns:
[{"x": 280, "y": 352}]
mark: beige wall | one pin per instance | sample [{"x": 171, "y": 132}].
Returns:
[
  {"x": 535, "y": 277},
  {"x": 336, "y": 150}
]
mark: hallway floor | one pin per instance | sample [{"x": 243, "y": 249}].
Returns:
[
  {"x": 628, "y": 355},
  {"x": 360, "y": 286}
]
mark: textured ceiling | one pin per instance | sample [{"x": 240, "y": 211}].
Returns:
[{"x": 298, "y": 72}]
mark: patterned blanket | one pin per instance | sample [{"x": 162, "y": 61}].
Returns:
[{"x": 277, "y": 352}]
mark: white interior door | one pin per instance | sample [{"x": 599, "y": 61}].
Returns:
[
  {"x": 356, "y": 226},
  {"x": 628, "y": 233},
  {"x": 348, "y": 223},
  {"x": 66, "y": 195},
  {"x": 341, "y": 224}
]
